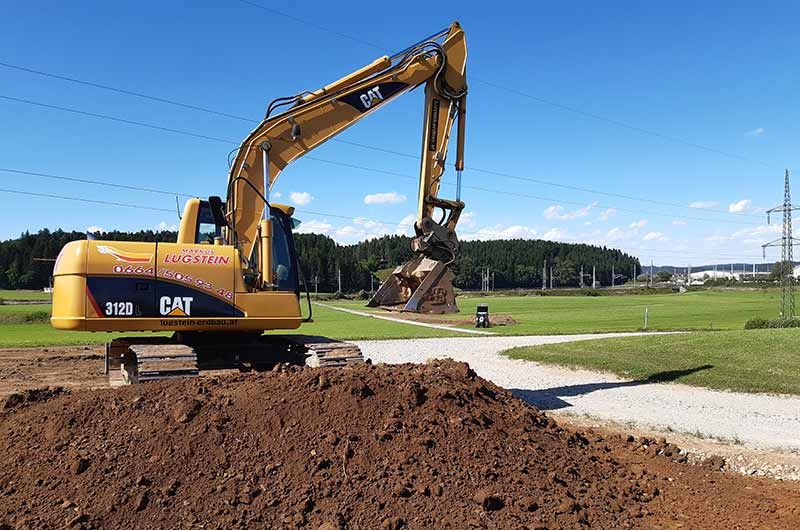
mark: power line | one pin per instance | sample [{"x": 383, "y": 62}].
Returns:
[
  {"x": 477, "y": 188},
  {"x": 527, "y": 195},
  {"x": 123, "y": 91},
  {"x": 713, "y": 257},
  {"x": 623, "y": 124},
  {"x": 567, "y": 108},
  {"x": 347, "y": 142},
  {"x": 89, "y": 181},
  {"x": 81, "y": 199},
  {"x": 598, "y": 192},
  {"x": 329, "y": 214},
  {"x": 308, "y": 22},
  {"x": 114, "y": 118}
]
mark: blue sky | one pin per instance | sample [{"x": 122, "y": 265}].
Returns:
[{"x": 722, "y": 75}]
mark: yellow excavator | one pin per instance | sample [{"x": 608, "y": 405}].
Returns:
[{"x": 233, "y": 273}]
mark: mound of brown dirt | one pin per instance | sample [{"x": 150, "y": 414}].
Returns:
[{"x": 395, "y": 447}]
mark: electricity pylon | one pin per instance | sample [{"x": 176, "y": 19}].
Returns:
[{"x": 786, "y": 242}]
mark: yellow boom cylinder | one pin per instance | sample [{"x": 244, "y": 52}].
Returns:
[
  {"x": 265, "y": 230},
  {"x": 372, "y": 68}
]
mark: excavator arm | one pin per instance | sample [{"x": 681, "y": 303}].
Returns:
[{"x": 295, "y": 125}]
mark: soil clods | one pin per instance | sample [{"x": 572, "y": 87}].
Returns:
[{"x": 373, "y": 447}]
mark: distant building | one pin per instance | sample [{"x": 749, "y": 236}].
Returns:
[{"x": 698, "y": 277}]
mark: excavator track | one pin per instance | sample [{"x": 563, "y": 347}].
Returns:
[
  {"x": 134, "y": 360},
  {"x": 323, "y": 352}
]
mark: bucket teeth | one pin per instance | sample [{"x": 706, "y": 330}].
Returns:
[{"x": 421, "y": 285}]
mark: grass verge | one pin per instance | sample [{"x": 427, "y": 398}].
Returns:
[
  {"x": 557, "y": 315},
  {"x": 23, "y": 294},
  {"x": 745, "y": 360}
]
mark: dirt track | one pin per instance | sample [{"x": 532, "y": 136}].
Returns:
[
  {"x": 67, "y": 366},
  {"x": 411, "y": 446}
]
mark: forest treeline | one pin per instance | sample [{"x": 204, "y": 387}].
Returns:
[{"x": 26, "y": 262}]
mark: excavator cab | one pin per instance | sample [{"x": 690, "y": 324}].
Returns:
[{"x": 204, "y": 223}]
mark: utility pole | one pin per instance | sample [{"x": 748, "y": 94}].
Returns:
[
  {"x": 651, "y": 273},
  {"x": 689, "y": 275},
  {"x": 485, "y": 280},
  {"x": 582, "y": 276},
  {"x": 544, "y": 275},
  {"x": 316, "y": 285},
  {"x": 715, "y": 272},
  {"x": 612, "y": 276},
  {"x": 787, "y": 242},
  {"x": 339, "y": 278},
  {"x": 551, "y": 277},
  {"x": 594, "y": 281}
]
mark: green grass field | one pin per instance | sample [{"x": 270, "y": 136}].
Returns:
[
  {"x": 549, "y": 315},
  {"x": 744, "y": 360},
  {"x": 22, "y": 294},
  {"x": 534, "y": 315}
]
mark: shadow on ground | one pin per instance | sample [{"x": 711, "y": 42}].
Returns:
[{"x": 550, "y": 398}]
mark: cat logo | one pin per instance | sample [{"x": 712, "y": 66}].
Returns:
[
  {"x": 371, "y": 96},
  {"x": 179, "y": 306}
]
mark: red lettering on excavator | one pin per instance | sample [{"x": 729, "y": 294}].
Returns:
[{"x": 199, "y": 260}]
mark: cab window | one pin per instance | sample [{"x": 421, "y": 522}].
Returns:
[
  {"x": 207, "y": 230},
  {"x": 285, "y": 273}
]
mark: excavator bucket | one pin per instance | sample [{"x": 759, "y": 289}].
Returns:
[{"x": 421, "y": 285}]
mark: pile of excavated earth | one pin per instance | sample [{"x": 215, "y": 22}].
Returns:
[{"x": 371, "y": 447}]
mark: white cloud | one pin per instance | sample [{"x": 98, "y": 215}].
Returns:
[
  {"x": 755, "y": 132},
  {"x": 95, "y": 229},
  {"x": 276, "y": 195},
  {"x": 389, "y": 197},
  {"x": 314, "y": 227},
  {"x": 518, "y": 232},
  {"x": 678, "y": 222},
  {"x": 467, "y": 220},
  {"x": 555, "y": 234},
  {"x": 739, "y": 206},
  {"x": 501, "y": 232},
  {"x": 557, "y": 212},
  {"x": 606, "y": 214},
  {"x": 760, "y": 230},
  {"x": 301, "y": 198},
  {"x": 654, "y": 236},
  {"x": 615, "y": 234},
  {"x": 703, "y": 204},
  {"x": 406, "y": 225},
  {"x": 358, "y": 229},
  {"x": 164, "y": 226}
]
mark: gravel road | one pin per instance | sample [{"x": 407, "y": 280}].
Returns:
[{"x": 758, "y": 421}]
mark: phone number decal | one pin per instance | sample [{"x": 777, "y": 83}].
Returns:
[
  {"x": 130, "y": 269},
  {"x": 191, "y": 280}
]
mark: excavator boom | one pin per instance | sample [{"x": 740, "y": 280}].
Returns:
[{"x": 296, "y": 125}]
